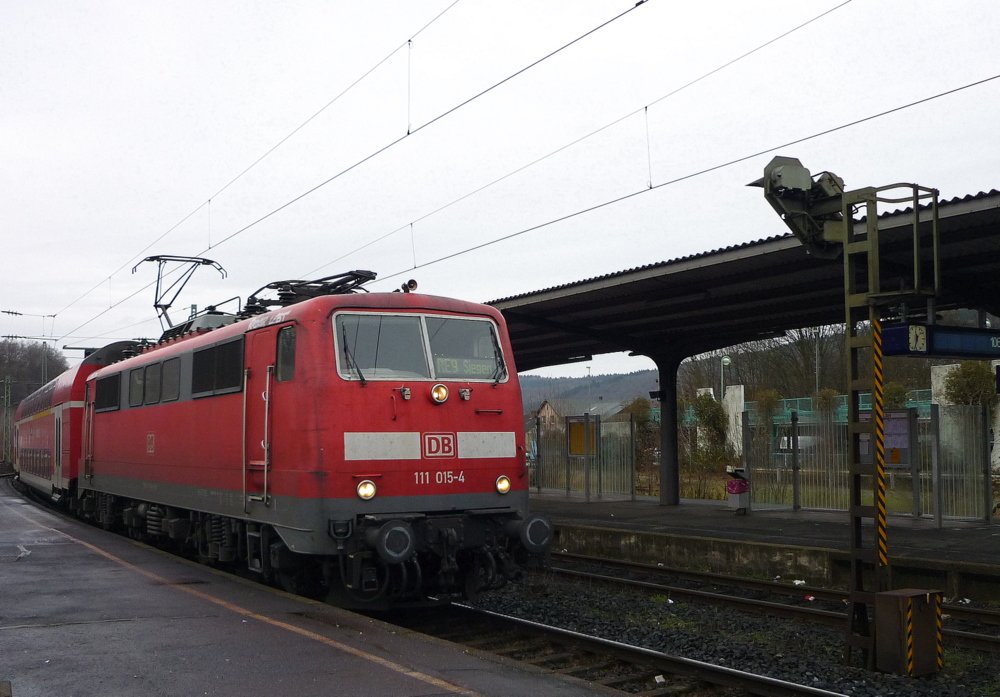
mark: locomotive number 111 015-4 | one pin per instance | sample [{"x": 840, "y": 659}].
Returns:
[{"x": 443, "y": 477}]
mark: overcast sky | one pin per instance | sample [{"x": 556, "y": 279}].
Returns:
[{"x": 119, "y": 120}]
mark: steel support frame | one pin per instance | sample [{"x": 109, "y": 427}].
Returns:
[
  {"x": 864, "y": 299},
  {"x": 861, "y": 281}
]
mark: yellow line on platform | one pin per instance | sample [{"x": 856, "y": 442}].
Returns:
[{"x": 240, "y": 610}]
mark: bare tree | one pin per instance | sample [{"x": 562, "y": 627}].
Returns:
[{"x": 29, "y": 365}]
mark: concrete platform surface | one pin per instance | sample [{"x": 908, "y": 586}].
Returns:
[
  {"x": 84, "y": 612},
  {"x": 958, "y": 542}
]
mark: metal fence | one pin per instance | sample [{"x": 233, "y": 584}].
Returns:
[
  {"x": 938, "y": 466},
  {"x": 957, "y": 480}
]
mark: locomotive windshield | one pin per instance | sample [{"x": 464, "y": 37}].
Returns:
[{"x": 376, "y": 346}]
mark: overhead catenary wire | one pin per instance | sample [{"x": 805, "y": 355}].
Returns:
[
  {"x": 699, "y": 172},
  {"x": 261, "y": 158},
  {"x": 431, "y": 122},
  {"x": 410, "y": 131},
  {"x": 691, "y": 175},
  {"x": 614, "y": 122},
  {"x": 675, "y": 180},
  {"x": 369, "y": 157}
]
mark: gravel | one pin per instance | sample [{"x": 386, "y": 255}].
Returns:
[{"x": 804, "y": 654}]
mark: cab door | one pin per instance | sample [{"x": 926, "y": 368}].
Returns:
[{"x": 268, "y": 353}]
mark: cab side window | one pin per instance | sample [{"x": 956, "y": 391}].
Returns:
[
  {"x": 152, "y": 383},
  {"x": 171, "y": 380},
  {"x": 286, "y": 354},
  {"x": 108, "y": 393},
  {"x": 135, "y": 385}
]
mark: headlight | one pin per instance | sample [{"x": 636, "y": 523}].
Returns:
[
  {"x": 503, "y": 484},
  {"x": 439, "y": 393},
  {"x": 366, "y": 489}
]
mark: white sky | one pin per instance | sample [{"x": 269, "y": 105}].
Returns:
[{"x": 118, "y": 119}]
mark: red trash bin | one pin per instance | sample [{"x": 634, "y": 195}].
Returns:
[
  {"x": 738, "y": 489},
  {"x": 737, "y": 486}
]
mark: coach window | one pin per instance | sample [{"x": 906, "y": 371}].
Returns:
[
  {"x": 218, "y": 369},
  {"x": 108, "y": 393},
  {"x": 229, "y": 366},
  {"x": 286, "y": 354},
  {"x": 135, "y": 383},
  {"x": 170, "y": 381},
  {"x": 152, "y": 380}
]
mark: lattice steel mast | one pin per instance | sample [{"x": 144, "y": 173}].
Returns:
[{"x": 822, "y": 215}]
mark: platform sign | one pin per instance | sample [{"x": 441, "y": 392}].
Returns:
[
  {"x": 900, "y": 429},
  {"x": 908, "y": 339},
  {"x": 580, "y": 430}
]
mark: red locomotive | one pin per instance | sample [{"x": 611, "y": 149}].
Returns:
[{"x": 363, "y": 446}]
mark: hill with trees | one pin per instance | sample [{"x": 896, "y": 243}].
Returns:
[{"x": 801, "y": 363}]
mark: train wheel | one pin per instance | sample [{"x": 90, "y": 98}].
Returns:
[
  {"x": 481, "y": 576},
  {"x": 305, "y": 581}
]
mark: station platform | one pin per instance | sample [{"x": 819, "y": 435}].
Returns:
[
  {"x": 959, "y": 558},
  {"x": 85, "y": 612}
]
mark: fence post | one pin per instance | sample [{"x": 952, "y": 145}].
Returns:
[
  {"x": 631, "y": 445},
  {"x": 538, "y": 454},
  {"x": 913, "y": 447},
  {"x": 568, "y": 456},
  {"x": 984, "y": 412},
  {"x": 747, "y": 468},
  {"x": 796, "y": 484},
  {"x": 587, "y": 457},
  {"x": 599, "y": 456},
  {"x": 936, "y": 465}
]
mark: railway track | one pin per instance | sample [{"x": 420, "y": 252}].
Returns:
[
  {"x": 619, "y": 667},
  {"x": 831, "y": 602}
]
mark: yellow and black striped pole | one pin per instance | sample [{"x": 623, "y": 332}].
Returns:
[
  {"x": 939, "y": 634},
  {"x": 909, "y": 636},
  {"x": 878, "y": 437}
]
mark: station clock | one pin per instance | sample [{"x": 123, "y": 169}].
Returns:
[{"x": 918, "y": 338}]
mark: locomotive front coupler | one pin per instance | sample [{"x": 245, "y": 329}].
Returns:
[{"x": 341, "y": 531}]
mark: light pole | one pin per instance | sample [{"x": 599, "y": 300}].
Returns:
[{"x": 723, "y": 362}]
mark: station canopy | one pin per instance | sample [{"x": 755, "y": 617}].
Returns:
[{"x": 760, "y": 289}]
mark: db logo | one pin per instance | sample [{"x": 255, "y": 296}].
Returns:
[{"x": 439, "y": 445}]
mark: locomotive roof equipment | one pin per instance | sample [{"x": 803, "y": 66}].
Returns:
[{"x": 295, "y": 291}]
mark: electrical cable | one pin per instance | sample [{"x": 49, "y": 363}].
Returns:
[
  {"x": 691, "y": 175},
  {"x": 619, "y": 199},
  {"x": 393, "y": 143},
  {"x": 260, "y": 159},
  {"x": 434, "y": 120},
  {"x": 583, "y": 138},
  {"x": 645, "y": 190}
]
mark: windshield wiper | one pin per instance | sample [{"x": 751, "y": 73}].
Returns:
[
  {"x": 351, "y": 362},
  {"x": 501, "y": 370}
]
